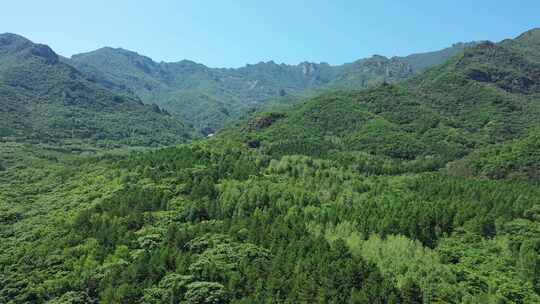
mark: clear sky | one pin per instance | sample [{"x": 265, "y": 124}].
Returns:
[{"x": 231, "y": 33}]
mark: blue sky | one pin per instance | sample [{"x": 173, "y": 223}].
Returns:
[{"x": 231, "y": 33}]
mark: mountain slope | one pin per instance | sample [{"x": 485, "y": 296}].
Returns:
[
  {"x": 45, "y": 100},
  {"x": 487, "y": 95},
  {"x": 208, "y": 97},
  {"x": 518, "y": 159},
  {"x": 527, "y": 43},
  {"x": 387, "y": 121},
  {"x": 423, "y": 61}
]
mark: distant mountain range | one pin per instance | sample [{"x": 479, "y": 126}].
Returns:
[
  {"x": 207, "y": 98},
  {"x": 116, "y": 95}
]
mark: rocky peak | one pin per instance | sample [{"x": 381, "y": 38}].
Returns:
[
  {"x": 308, "y": 68},
  {"x": 13, "y": 41},
  {"x": 105, "y": 56},
  {"x": 17, "y": 45},
  {"x": 378, "y": 58}
]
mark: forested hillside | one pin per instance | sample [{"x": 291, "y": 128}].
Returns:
[
  {"x": 205, "y": 225},
  {"x": 487, "y": 95},
  {"x": 208, "y": 98},
  {"x": 43, "y": 100},
  {"x": 423, "y": 191}
]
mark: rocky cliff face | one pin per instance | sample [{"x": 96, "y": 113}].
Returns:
[
  {"x": 370, "y": 71},
  {"x": 503, "y": 66}
]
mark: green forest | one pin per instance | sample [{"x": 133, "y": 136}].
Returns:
[
  {"x": 201, "y": 224},
  {"x": 419, "y": 191}
]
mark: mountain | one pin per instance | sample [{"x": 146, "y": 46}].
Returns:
[
  {"x": 486, "y": 95},
  {"x": 43, "y": 99},
  {"x": 208, "y": 98}
]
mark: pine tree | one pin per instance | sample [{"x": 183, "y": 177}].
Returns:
[{"x": 411, "y": 293}]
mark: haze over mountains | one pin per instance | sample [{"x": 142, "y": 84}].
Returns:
[
  {"x": 207, "y": 98},
  {"x": 203, "y": 99}
]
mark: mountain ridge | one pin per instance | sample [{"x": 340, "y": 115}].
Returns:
[
  {"x": 209, "y": 97},
  {"x": 456, "y": 45}
]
